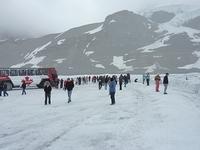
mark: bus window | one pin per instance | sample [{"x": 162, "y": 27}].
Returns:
[
  {"x": 13, "y": 72},
  {"x": 4, "y": 72},
  {"x": 43, "y": 71},
  {"x": 31, "y": 72},
  {"x": 22, "y": 72}
]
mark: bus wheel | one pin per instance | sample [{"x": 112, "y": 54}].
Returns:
[{"x": 9, "y": 86}]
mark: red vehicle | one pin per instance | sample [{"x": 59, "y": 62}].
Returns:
[{"x": 31, "y": 76}]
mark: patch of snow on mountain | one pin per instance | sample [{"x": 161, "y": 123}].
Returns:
[
  {"x": 94, "y": 39},
  {"x": 16, "y": 40},
  {"x": 130, "y": 60},
  {"x": 84, "y": 51},
  {"x": 195, "y": 65},
  {"x": 37, "y": 50},
  {"x": 157, "y": 56},
  {"x": 178, "y": 58},
  {"x": 94, "y": 61},
  {"x": 34, "y": 61},
  {"x": 88, "y": 53},
  {"x": 60, "y": 60},
  {"x": 112, "y": 21},
  {"x": 150, "y": 68},
  {"x": 59, "y": 35},
  {"x": 118, "y": 61},
  {"x": 171, "y": 29},
  {"x": 31, "y": 59},
  {"x": 158, "y": 44},
  {"x": 154, "y": 67},
  {"x": 99, "y": 66},
  {"x": 100, "y": 28},
  {"x": 60, "y": 42}
]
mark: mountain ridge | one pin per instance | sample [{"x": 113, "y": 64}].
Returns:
[{"x": 124, "y": 42}]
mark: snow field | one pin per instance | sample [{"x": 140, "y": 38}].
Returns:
[{"x": 142, "y": 119}]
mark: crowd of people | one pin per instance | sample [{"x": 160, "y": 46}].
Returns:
[
  {"x": 158, "y": 80},
  {"x": 102, "y": 80}
]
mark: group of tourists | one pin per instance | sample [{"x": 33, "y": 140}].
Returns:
[
  {"x": 157, "y": 79},
  {"x": 102, "y": 80}
]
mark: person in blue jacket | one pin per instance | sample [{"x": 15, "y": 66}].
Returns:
[{"x": 112, "y": 90}]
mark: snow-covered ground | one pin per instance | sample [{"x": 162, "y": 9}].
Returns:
[{"x": 141, "y": 119}]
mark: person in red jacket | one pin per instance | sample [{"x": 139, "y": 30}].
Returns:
[{"x": 69, "y": 85}]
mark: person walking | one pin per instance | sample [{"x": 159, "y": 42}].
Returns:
[
  {"x": 157, "y": 82},
  {"x": 165, "y": 82},
  {"x": 69, "y": 85},
  {"x": 112, "y": 90},
  {"x": 147, "y": 78},
  {"x": 47, "y": 90},
  {"x": 143, "y": 78},
  {"x": 1, "y": 88},
  {"x": 5, "y": 89},
  {"x": 23, "y": 86},
  {"x": 61, "y": 83},
  {"x": 120, "y": 81}
]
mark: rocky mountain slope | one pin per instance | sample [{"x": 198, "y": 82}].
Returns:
[{"x": 165, "y": 39}]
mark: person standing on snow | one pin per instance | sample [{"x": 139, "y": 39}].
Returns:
[
  {"x": 23, "y": 86},
  {"x": 143, "y": 78},
  {"x": 5, "y": 88},
  {"x": 147, "y": 78},
  {"x": 61, "y": 83},
  {"x": 120, "y": 81},
  {"x": 47, "y": 90},
  {"x": 69, "y": 85},
  {"x": 1, "y": 88},
  {"x": 112, "y": 90},
  {"x": 157, "y": 82},
  {"x": 165, "y": 82}
]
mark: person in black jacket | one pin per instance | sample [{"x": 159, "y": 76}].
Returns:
[
  {"x": 69, "y": 85},
  {"x": 165, "y": 82},
  {"x": 47, "y": 90},
  {"x": 23, "y": 86},
  {"x": 5, "y": 89},
  {"x": 1, "y": 88}
]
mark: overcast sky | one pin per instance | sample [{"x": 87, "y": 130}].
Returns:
[{"x": 38, "y": 17}]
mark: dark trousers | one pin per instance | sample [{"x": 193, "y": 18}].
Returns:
[
  {"x": 0, "y": 92},
  {"x": 112, "y": 97},
  {"x": 5, "y": 93},
  {"x": 47, "y": 95},
  {"x": 147, "y": 82},
  {"x": 120, "y": 86},
  {"x": 23, "y": 91}
]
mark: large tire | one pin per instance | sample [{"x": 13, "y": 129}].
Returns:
[{"x": 9, "y": 86}]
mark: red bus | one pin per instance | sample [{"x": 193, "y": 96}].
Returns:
[{"x": 33, "y": 77}]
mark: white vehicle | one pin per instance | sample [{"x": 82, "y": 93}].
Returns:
[{"x": 33, "y": 77}]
